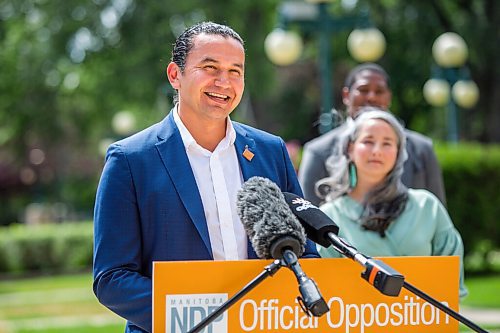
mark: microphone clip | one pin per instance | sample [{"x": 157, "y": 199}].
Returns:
[
  {"x": 383, "y": 277},
  {"x": 310, "y": 301}
]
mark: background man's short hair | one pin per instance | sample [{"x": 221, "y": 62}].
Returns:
[{"x": 351, "y": 77}]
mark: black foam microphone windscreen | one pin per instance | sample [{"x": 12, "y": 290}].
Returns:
[
  {"x": 267, "y": 219},
  {"x": 316, "y": 223}
]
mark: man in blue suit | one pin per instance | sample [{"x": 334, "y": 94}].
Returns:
[{"x": 169, "y": 192}]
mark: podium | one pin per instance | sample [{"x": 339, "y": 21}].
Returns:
[{"x": 184, "y": 292}]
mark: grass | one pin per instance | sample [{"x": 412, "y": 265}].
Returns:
[
  {"x": 59, "y": 304},
  {"x": 64, "y": 304},
  {"x": 484, "y": 292}
]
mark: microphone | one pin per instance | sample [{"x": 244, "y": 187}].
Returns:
[
  {"x": 322, "y": 230},
  {"x": 268, "y": 222},
  {"x": 316, "y": 223},
  {"x": 276, "y": 233}
]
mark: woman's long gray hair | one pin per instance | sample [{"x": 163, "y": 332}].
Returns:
[{"x": 385, "y": 202}]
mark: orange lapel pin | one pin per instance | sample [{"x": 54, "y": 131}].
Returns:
[{"x": 248, "y": 154}]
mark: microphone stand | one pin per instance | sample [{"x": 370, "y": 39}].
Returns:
[
  {"x": 269, "y": 270},
  {"x": 388, "y": 281},
  {"x": 444, "y": 308}
]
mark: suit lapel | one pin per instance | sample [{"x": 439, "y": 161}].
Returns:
[
  {"x": 413, "y": 165},
  {"x": 174, "y": 157},
  {"x": 249, "y": 167}
]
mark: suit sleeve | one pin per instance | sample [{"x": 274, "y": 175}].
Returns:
[
  {"x": 434, "y": 175},
  {"x": 294, "y": 187},
  {"x": 118, "y": 283},
  {"x": 312, "y": 168}
]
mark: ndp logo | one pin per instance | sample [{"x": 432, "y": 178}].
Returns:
[{"x": 183, "y": 312}]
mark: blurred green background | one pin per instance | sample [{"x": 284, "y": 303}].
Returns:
[{"x": 77, "y": 75}]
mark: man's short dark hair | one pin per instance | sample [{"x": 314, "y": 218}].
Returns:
[
  {"x": 351, "y": 77},
  {"x": 184, "y": 43}
]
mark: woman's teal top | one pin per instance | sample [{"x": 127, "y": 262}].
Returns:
[{"x": 423, "y": 229}]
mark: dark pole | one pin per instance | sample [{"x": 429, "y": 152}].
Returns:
[
  {"x": 325, "y": 71},
  {"x": 325, "y": 25},
  {"x": 453, "y": 132}
]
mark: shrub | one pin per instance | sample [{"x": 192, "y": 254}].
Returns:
[
  {"x": 471, "y": 175},
  {"x": 46, "y": 248}
]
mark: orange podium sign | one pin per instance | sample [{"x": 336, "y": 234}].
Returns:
[{"x": 186, "y": 292}]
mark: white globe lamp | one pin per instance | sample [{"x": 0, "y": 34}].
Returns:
[
  {"x": 450, "y": 50},
  {"x": 465, "y": 93},
  {"x": 283, "y": 47},
  {"x": 437, "y": 92},
  {"x": 366, "y": 44}
]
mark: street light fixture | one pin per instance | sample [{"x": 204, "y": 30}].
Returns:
[
  {"x": 366, "y": 44},
  {"x": 450, "y": 54},
  {"x": 283, "y": 47}
]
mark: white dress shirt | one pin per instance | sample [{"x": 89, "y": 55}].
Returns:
[{"x": 219, "y": 178}]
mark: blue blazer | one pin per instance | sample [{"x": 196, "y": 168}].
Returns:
[{"x": 148, "y": 208}]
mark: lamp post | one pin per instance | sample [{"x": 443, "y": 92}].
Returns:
[
  {"x": 450, "y": 54},
  {"x": 283, "y": 47}
]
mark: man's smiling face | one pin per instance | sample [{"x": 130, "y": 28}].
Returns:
[{"x": 212, "y": 83}]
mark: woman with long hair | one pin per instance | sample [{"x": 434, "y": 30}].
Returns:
[{"x": 374, "y": 210}]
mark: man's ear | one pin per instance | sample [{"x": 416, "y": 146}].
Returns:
[
  {"x": 173, "y": 73},
  {"x": 345, "y": 96}
]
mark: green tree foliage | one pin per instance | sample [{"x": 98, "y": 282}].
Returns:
[
  {"x": 69, "y": 67},
  {"x": 410, "y": 28}
]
